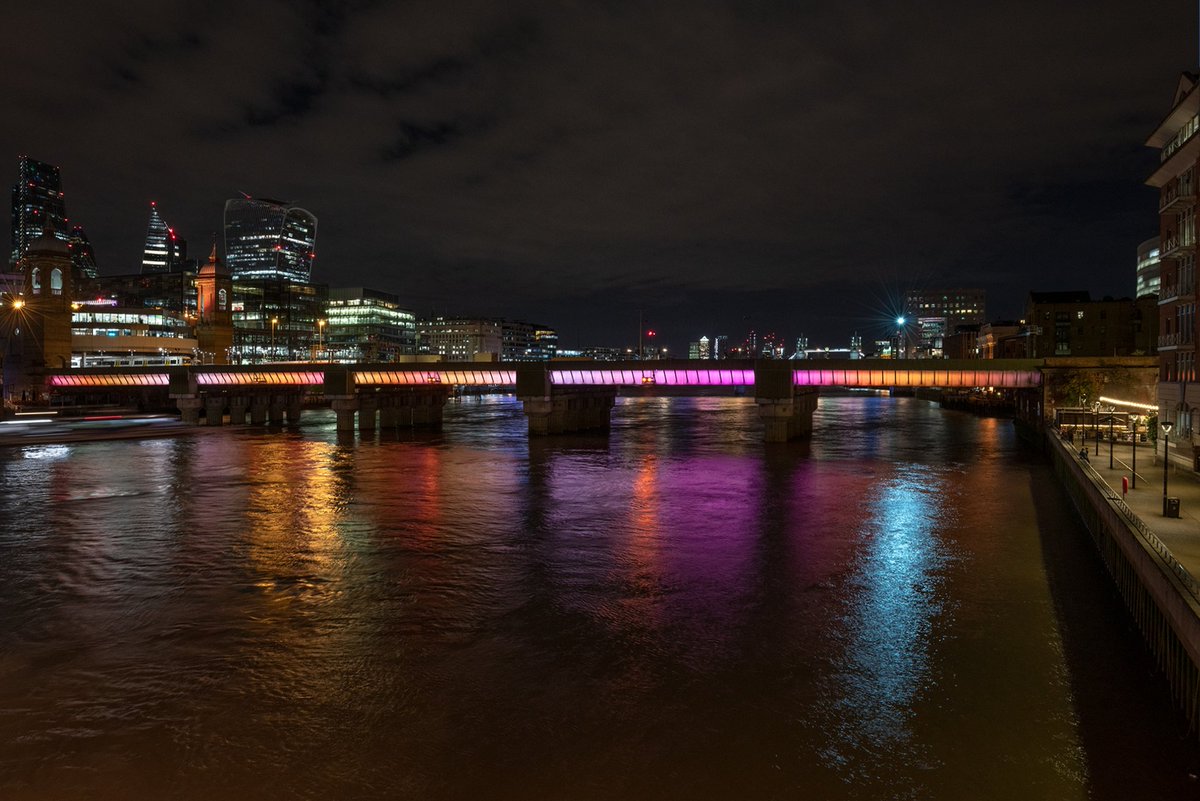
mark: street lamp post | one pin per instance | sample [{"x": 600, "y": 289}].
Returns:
[
  {"x": 900, "y": 321},
  {"x": 1110, "y": 410},
  {"x": 1166, "y": 428},
  {"x": 320, "y": 338},
  {"x": 1133, "y": 467},
  {"x": 274, "y": 322},
  {"x": 1096, "y": 425}
]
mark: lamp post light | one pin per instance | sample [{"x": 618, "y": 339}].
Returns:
[
  {"x": 1110, "y": 411},
  {"x": 1166, "y": 429},
  {"x": 1096, "y": 425},
  {"x": 900, "y": 321},
  {"x": 1133, "y": 467},
  {"x": 274, "y": 322},
  {"x": 320, "y": 338}
]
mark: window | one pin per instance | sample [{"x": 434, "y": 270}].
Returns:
[
  {"x": 35, "y": 279},
  {"x": 56, "y": 284},
  {"x": 222, "y": 299}
]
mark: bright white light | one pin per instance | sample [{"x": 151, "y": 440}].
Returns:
[{"x": 900, "y": 321}]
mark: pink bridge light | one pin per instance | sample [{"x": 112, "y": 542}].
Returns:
[
  {"x": 637, "y": 378},
  {"x": 115, "y": 380},
  {"x": 896, "y": 377},
  {"x": 266, "y": 377},
  {"x": 462, "y": 378}
]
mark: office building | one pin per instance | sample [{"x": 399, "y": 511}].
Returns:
[
  {"x": 269, "y": 239},
  {"x": 83, "y": 257},
  {"x": 527, "y": 342},
  {"x": 277, "y": 320},
  {"x": 37, "y": 202},
  {"x": 365, "y": 325},
  {"x": 938, "y": 313},
  {"x": 1149, "y": 268},
  {"x": 459, "y": 339}
]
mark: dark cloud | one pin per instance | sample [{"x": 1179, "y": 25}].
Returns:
[{"x": 712, "y": 163}]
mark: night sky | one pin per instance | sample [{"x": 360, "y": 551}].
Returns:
[{"x": 768, "y": 165}]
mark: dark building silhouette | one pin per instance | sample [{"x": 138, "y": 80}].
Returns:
[
  {"x": 1072, "y": 324},
  {"x": 83, "y": 257}
]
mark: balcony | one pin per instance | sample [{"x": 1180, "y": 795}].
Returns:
[
  {"x": 1171, "y": 293},
  {"x": 1177, "y": 341},
  {"x": 1175, "y": 196},
  {"x": 1175, "y": 245}
]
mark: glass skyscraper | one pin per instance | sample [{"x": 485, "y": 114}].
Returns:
[
  {"x": 156, "y": 255},
  {"x": 269, "y": 239},
  {"x": 83, "y": 257},
  {"x": 36, "y": 195}
]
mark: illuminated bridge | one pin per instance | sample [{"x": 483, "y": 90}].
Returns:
[{"x": 558, "y": 396}]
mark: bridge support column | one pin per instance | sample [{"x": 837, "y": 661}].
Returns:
[
  {"x": 189, "y": 410},
  {"x": 294, "y": 405},
  {"x": 427, "y": 406},
  {"x": 214, "y": 410},
  {"x": 258, "y": 409},
  {"x": 345, "y": 408},
  {"x": 785, "y": 420},
  {"x": 786, "y": 413},
  {"x": 553, "y": 409},
  {"x": 275, "y": 410},
  {"x": 368, "y": 406},
  {"x": 565, "y": 411},
  {"x": 238, "y": 406},
  {"x": 388, "y": 413}
]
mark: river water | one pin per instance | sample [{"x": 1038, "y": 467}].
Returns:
[{"x": 903, "y": 608}]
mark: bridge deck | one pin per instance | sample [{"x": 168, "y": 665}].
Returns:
[{"x": 873, "y": 373}]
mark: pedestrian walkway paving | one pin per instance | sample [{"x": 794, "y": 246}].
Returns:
[{"x": 1181, "y": 535}]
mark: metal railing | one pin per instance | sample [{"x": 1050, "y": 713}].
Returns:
[{"x": 1113, "y": 497}]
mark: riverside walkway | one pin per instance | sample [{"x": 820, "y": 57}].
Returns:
[{"x": 1180, "y": 535}]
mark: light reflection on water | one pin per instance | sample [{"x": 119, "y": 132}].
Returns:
[{"x": 672, "y": 610}]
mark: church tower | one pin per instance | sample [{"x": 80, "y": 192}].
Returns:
[
  {"x": 214, "y": 325},
  {"x": 38, "y": 321}
]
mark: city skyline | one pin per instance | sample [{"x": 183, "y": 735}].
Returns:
[{"x": 719, "y": 170}]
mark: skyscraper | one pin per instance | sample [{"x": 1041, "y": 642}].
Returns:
[
  {"x": 156, "y": 254},
  {"x": 269, "y": 239},
  {"x": 83, "y": 257},
  {"x": 36, "y": 196}
]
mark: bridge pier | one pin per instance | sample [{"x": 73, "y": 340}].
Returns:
[
  {"x": 785, "y": 411},
  {"x": 238, "y": 406},
  {"x": 189, "y": 410},
  {"x": 214, "y": 410},
  {"x": 552, "y": 409},
  {"x": 344, "y": 408},
  {"x": 293, "y": 405},
  {"x": 389, "y": 414},
  {"x": 275, "y": 410},
  {"x": 368, "y": 408},
  {"x": 428, "y": 405},
  {"x": 258, "y": 409}
]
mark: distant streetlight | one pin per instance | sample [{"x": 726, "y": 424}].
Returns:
[
  {"x": 274, "y": 322},
  {"x": 320, "y": 337},
  {"x": 1096, "y": 425},
  {"x": 900, "y": 321},
  {"x": 1166, "y": 429}
]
